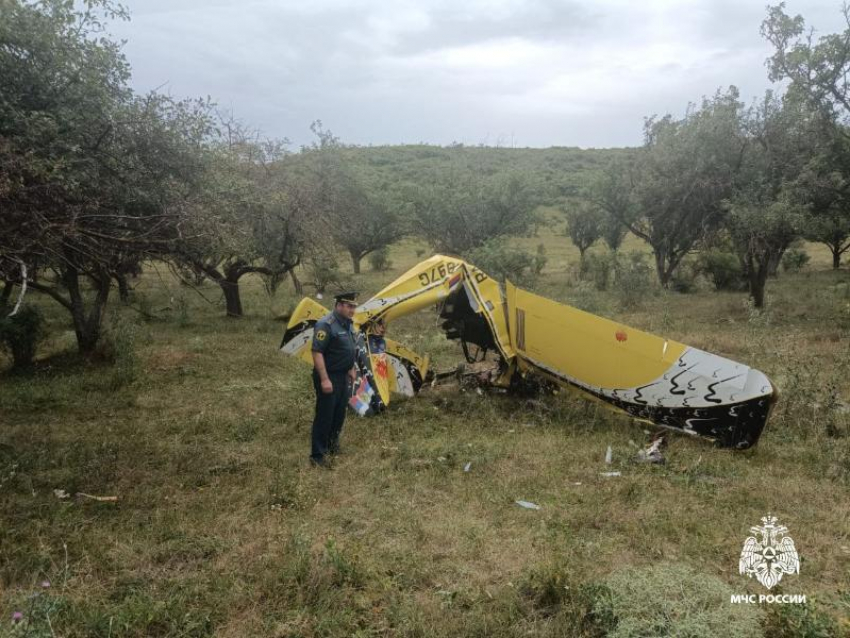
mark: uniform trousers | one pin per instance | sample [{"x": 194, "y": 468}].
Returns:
[{"x": 330, "y": 414}]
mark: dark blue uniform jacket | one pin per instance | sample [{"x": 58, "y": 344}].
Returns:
[{"x": 333, "y": 336}]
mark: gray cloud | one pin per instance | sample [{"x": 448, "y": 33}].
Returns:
[{"x": 528, "y": 72}]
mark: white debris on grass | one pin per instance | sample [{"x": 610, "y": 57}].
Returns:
[{"x": 528, "y": 505}]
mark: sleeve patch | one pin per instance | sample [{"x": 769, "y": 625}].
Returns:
[{"x": 321, "y": 335}]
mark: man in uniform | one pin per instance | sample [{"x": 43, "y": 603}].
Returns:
[{"x": 333, "y": 370}]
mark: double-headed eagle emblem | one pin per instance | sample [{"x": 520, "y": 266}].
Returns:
[{"x": 770, "y": 557}]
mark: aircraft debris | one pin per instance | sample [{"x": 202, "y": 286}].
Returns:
[
  {"x": 101, "y": 499},
  {"x": 528, "y": 505},
  {"x": 518, "y": 342},
  {"x": 652, "y": 453},
  {"x": 62, "y": 495}
]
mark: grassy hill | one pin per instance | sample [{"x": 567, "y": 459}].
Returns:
[{"x": 556, "y": 173}]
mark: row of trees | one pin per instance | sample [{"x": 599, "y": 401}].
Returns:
[
  {"x": 95, "y": 179},
  {"x": 750, "y": 179}
]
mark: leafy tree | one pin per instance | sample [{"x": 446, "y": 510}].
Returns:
[
  {"x": 92, "y": 175},
  {"x": 613, "y": 192},
  {"x": 682, "y": 175},
  {"x": 764, "y": 219},
  {"x": 584, "y": 226},
  {"x": 256, "y": 216},
  {"x": 361, "y": 216},
  {"x": 825, "y": 186},
  {"x": 818, "y": 70},
  {"x": 762, "y": 230},
  {"x": 461, "y": 210},
  {"x": 504, "y": 262},
  {"x": 613, "y": 232}
]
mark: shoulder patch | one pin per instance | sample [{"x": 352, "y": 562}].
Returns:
[{"x": 321, "y": 335}]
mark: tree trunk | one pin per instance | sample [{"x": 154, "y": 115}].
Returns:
[
  {"x": 355, "y": 262},
  {"x": 87, "y": 326},
  {"x": 6, "y": 295},
  {"x": 296, "y": 283},
  {"x": 123, "y": 288},
  {"x": 757, "y": 277},
  {"x": 773, "y": 263},
  {"x": 232, "y": 299},
  {"x": 582, "y": 264},
  {"x": 836, "y": 257},
  {"x": 662, "y": 269},
  {"x": 757, "y": 292}
]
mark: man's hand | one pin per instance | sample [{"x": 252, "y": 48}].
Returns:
[
  {"x": 352, "y": 375},
  {"x": 327, "y": 386}
]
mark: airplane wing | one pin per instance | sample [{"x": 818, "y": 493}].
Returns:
[{"x": 649, "y": 377}]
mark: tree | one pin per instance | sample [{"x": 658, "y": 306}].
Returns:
[
  {"x": 831, "y": 227},
  {"x": 761, "y": 230},
  {"x": 818, "y": 71},
  {"x": 681, "y": 177},
  {"x": 824, "y": 184},
  {"x": 92, "y": 174},
  {"x": 613, "y": 193},
  {"x": 254, "y": 216},
  {"x": 764, "y": 217},
  {"x": 613, "y": 232},
  {"x": 362, "y": 217},
  {"x": 461, "y": 210},
  {"x": 584, "y": 226}
]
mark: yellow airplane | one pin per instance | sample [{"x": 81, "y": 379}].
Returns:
[{"x": 650, "y": 378}]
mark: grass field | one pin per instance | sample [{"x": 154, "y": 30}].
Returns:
[{"x": 201, "y": 430}]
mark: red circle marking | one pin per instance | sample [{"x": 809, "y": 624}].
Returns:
[{"x": 621, "y": 335}]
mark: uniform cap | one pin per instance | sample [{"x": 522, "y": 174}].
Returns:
[{"x": 349, "y": 297}]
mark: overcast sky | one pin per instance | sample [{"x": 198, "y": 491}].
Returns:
[{"x": 498, "y": 72}]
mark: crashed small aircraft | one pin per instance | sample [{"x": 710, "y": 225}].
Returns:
[{"x": 527, "y": 337}]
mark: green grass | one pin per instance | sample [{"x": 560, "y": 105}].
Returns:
[{"x": 221, "y": 528}]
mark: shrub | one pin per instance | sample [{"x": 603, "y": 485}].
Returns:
[
  {"x": 119, "y": 347},
  {"x": 723, "y": 269},
  {"x": 685, "y": 277},
  {"x": 795, "y": 259},
  {"x": 21, "y": 334},
  {"x": 380, "y": 259},
  {"x": 324, "y": 272},
  {"x": 633, "y": 279},
  {"x": 599, "y": 269},
  {"x": 672, "y": 600},
  {"x": 540, "y": 260},
  {"x": 502, "y": 262},
  {"x": 799, "y": 621}
]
